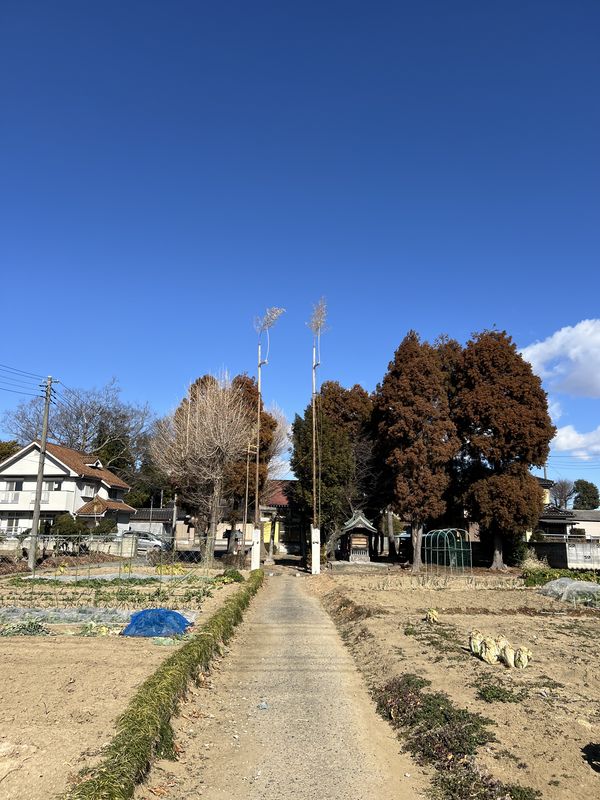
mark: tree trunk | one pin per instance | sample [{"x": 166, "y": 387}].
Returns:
[
  {"x": 417, "y": 538},
  {"x": 232, "y": 536},
  {"x": 498, "y": 560},
  {"x": 209, "y": 556},
  {"x": 330, "y": 546},
  {"x": 390, "y": 534}
]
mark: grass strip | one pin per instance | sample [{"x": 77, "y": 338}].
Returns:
[
  {"x": 439, "y": 734},
  {"x": 144, "y": 730}
]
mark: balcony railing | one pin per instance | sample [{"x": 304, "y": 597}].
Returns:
[
  {"x": 9, "y": 497},
  {"x": 51, "y": 501}
]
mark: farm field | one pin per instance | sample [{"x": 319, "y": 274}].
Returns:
[
  {"x": 546, "y": 717},
  {"x": 61, "y": 693}
]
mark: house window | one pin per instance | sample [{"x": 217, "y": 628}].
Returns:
[
  {"x": 114, "y": 494},
  {"x": 11, "y": 495},
  {"x": 46, "y": 524},
  {"x": 10, "y": 524},
  {"x": 52, "y": 486},
  {"x": 88, "y": 490}
]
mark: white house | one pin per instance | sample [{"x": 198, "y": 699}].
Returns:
[{"x": 74, "y": 483}]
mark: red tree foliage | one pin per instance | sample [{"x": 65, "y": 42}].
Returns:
[
  {"x": 501, "y": 413},
  {"x": 416, "y": 437}
]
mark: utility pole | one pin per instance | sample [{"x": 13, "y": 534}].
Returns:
[
  {"x": 245, "y": 518},
  {"x": 174, "y": 519},
  {"x": 315, "y": 364},
  {"x": 316, "y": 324},
  {"x": 35, "y": 524},
  {"x": 256, "y": 534},
  {"x": 261, "y": 325}
]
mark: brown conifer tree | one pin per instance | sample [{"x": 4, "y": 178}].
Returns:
[
  {"x": 501, "y": 413},
  {"x": 415, "y": 436}
]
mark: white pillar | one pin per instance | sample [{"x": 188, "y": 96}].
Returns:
[
  {"x": 255, "y": 553},
  {"x": 315, "y": 543}
]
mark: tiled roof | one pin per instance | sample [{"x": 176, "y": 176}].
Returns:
[
  {"x": 552, "y": 512},
  {"x": 358, "y": 520},
  {"x": 156, "y": 514},
  {"x": 80, "y": 463},
  {"x": 582, "y": 515},
  {"x": 99, "y": 506}
]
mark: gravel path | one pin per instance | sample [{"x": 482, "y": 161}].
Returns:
[{"x": 286, "y": 716}]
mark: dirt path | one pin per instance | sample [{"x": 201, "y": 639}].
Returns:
[{"x": 316, "y": 735}]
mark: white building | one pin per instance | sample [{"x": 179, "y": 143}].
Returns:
[{"x": 74, "y": 483}]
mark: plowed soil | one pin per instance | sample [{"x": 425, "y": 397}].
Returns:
[{"x": 546, "y": 739}]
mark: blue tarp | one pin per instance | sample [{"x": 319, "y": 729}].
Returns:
[{"x": 156, "y": 622}]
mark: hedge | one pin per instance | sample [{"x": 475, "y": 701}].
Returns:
[{"x": 144, "y": 730}]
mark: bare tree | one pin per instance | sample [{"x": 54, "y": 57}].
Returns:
[
  {"x": 194, "y": 446},
  {"x": 94, "y": 421},
  {"x": 561, "y": 492}
]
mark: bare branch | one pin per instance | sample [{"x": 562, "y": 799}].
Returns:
[
  {"x": 195, "y": 445},
  {"x": 89, "y": 420},
  {"x": 319, "y": 317},
  {"x": 262, "y": 324}
]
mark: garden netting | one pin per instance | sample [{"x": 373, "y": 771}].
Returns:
[{"x": 576, "y": 592}]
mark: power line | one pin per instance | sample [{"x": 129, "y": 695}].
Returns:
[
  {"x": 22, "y": 372},
  {"x": 18, "y": 391},
  {"x": 60, "y": 400},
  {"x": 67, "y": 389},
  {"x": 18, "y": 384},
  {"x": 15, "y": 376},
  {"x": 66, "y": 400}
]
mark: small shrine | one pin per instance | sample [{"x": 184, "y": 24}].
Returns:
[{"x": 356, "y": 538}]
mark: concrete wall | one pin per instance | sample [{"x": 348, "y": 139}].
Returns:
[
  {"x": 583, "y": 555},
  {"x": 569, "y": 555},
  {"x": 591, "y": 528},
  {"x": 160, "y": 529}
]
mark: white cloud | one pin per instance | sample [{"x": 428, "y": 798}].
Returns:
[
  {"x": 555, "y": 409},
  {"x": 569, "y": 360},
  {"x": 582, "y": 445}
]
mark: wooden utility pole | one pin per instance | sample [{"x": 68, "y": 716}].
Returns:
[
  {"x": 315, "y": 364},
  {"x": 316, "y": 324},
  {"x": 256, "y": 535},
  {"x": 35, "y": 524},
  {"x": 174, "y": 518}
]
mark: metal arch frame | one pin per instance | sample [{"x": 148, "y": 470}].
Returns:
[{"x": 447, "y": 548}]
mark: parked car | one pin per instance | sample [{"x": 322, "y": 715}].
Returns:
[{"x": 147, "y": 541}]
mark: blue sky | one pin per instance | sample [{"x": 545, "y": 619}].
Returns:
[{"x": 169, "y": 169}]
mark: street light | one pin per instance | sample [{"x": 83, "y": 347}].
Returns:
[{"x": 262, "y": 325}]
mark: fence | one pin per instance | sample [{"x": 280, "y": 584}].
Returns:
[
  {"x": 83, "y": 553},
  {"x": 569, "y": 554},
  {"x": 100, "y": 572}
]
